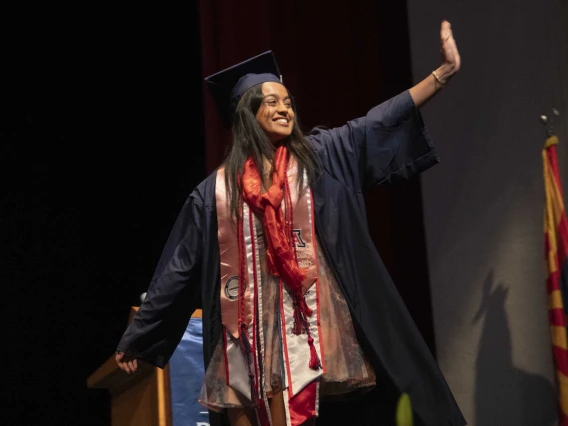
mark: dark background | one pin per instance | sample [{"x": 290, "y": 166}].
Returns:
[
  {"x": 106, "y": 129},
  {"x": 102, "y": 141}
]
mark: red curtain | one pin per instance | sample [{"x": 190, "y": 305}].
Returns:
[
  {"x": 339, "y": 58},
  {"x": 329, "y": 53}
]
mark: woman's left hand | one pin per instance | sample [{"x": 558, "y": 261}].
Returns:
[
  {"x": 451, "y": 63},
  {"x": 451, "y": 60}
]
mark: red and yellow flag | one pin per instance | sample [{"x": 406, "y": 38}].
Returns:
[{"x": 556, "y": 253}]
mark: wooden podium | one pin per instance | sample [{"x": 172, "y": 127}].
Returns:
[{"x": 142, "y": 398}]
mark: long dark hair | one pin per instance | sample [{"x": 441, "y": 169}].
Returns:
[{"x": 249, "y": 140}]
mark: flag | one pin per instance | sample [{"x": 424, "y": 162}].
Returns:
[{"x": 556, "y": 254}]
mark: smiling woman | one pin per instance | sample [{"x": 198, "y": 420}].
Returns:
[
  {"x": 276, "y": 115},
  {"x": 297, "y": 304},
  {"x": 265, "y": 119}
]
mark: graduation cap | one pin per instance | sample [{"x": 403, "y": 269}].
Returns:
[{"x": 227, "y": 86}]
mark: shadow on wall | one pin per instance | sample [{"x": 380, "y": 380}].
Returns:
[{"x": 504, "y": 394}]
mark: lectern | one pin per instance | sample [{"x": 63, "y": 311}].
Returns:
[{"x": 142, "y": 398}]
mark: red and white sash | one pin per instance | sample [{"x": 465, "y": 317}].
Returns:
[{"x": 244, "y": 372}]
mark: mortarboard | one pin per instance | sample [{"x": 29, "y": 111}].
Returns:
[{"x": 227, "y": 86}]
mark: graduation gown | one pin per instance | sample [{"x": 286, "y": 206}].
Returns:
[{"x": 389, "y": 143}]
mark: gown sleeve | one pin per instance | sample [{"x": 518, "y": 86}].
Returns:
[
  {"x": 388, "y": 144},
  {"x": 173, "y": 294}
]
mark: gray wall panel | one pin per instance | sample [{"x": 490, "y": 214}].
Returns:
[{"x": 483, "y": 205}]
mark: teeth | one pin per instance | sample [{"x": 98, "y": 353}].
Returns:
[{"x": 282, "y": 121}]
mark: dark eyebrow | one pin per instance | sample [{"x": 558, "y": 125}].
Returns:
[{"x": 276, "y": 96}]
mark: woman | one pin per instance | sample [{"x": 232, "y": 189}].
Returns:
[{"x": 297, "y": 303}]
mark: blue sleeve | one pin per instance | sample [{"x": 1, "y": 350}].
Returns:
[
  {"x": 388, "y": 144},
  {"x": 173, "y": 294}
]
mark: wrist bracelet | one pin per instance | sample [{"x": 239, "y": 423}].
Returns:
[{"x": 438, "y": 79}]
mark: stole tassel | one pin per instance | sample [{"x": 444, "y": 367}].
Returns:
[
  {"x": 315, "y": 363},
  {"x": 301, "y": 324}
]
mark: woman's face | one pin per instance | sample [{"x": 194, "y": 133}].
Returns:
[{"x": 275, "y": 115}]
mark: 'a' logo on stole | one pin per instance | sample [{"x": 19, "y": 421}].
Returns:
[{"x": 298, "y": 239}]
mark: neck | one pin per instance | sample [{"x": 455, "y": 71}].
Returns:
[{"x": 268, "y": 171}]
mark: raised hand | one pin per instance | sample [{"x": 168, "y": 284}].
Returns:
[
  {"x": 451, "y": 60},
  {"x": 422, "y": 92}
]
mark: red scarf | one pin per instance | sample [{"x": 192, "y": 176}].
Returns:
[{"x": 277, "y": 226}]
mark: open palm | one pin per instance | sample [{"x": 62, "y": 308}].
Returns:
[{"x": 449, "y": 50}]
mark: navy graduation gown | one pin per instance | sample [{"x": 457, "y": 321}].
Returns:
[{"x": 389, "y": 143}]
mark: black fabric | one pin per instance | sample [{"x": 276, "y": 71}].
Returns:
[{"x": 389, "y": 143}]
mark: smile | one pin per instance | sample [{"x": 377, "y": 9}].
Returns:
[{"x": 282, "y": 121}]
